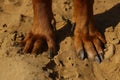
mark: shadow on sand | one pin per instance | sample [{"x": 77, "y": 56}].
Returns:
[{"x": 103, "y": 20}]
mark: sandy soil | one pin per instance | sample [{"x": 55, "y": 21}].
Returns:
[{"x": 16, "y": 17}]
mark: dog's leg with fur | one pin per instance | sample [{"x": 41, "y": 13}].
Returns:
[
  {"x": 41, "y": 30},
  {"x": 86, "y": 37}
]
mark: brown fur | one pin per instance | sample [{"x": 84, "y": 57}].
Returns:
[{"x": 86, "y": 35}]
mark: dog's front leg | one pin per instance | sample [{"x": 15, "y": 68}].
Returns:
[{"x": 86, "y": 37}]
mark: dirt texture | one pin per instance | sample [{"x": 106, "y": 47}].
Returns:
[{"x": 16, "y": 18}]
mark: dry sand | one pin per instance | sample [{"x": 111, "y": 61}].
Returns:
[{"x": 16, "y": 17}]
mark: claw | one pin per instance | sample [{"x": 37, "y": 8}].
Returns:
[
  {"x": 101, "y": 56},
  {"x": 81, "y": 54},
  {"x": 51, "y": 54},
  {"x": 97, "y": 59},
  {"x": 73, "y": 27}
]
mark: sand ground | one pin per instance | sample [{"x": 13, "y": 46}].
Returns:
[{"x": 16, "y": 17}]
